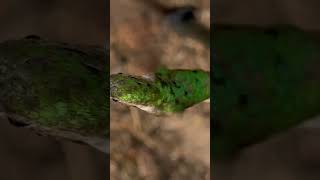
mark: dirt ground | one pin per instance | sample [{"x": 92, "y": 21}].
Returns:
[{"x": 145, "y": 146}]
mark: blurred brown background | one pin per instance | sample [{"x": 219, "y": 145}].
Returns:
[
  {"x": 294, "y": 155},
  {"x": 24, "y": 155},
  {"x": 145, "y": 146},
  {"x": 302, "y": 13}
]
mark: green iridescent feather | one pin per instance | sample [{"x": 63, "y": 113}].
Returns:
[{"x": 169, "y": 91}]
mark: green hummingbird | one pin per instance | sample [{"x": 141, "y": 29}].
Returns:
[
  {"x": 55, "y": 89},
  {"x": 265, "y": 81},
  {"x": 166, "y": 92}
]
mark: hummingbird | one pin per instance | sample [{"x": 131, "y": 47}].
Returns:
[
  {"x": 56, "y": 89},
  {"x": 265, "y": 81}
]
